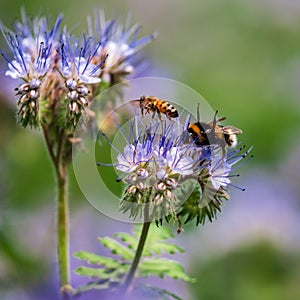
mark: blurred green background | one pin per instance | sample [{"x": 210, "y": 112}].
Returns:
[{"x": 244, "y": 58}]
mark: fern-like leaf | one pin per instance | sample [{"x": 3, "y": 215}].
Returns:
[
  {"x": 94, "y": 259},
  {"x": 108, "y": 273},
  {"x": 161, "y": 267},
  {"x": 117, "y": 248}
]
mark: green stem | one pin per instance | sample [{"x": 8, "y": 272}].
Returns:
[
  {"x": 138, "y": 254},
  {"x": 62, "y": 227},
  {"x": 62, "y": 214}
]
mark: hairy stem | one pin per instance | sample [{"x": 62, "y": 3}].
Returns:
[
  {"x": 62, "y": 227},
  {"x": 49, "y": 145},
  {"x": 138, "y": 254},
  {"x": 62, "y": 211}
]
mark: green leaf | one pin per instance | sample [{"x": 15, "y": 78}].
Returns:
[
  {"x": 95, "y": 259},
  {"x": 160, "y": 247},
  {"x": 117, "y": 248},
  {"x": 130, "y": 240},
  {"x": 163, "y": 267},
  {"x": 156, "y": 242},
  {"x": 111, "y": 274},
  {"x": 91, "y": 272},
  {"x": 98, "y": 285}
]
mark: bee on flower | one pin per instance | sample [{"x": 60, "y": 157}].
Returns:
[{"x": 172, "y": 177}]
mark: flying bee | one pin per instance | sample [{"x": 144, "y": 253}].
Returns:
[
  {"x": 211, "y": 133},
  {"x": 153, "y": 104}
]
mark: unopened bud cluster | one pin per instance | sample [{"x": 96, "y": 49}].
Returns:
[
  {"x": 28, "y": 104},
  {"x": 77, "y": 100}
]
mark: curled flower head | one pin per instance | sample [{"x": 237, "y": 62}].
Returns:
[
  {"x": 76, "y": 60},
  {"x": 163, "y": 169},
  {"x": 33, "y": 45},
  {"x": 78, "y": 71},
  {"x": 61, "y": 73},
  {"x": 120, "y": 41}
]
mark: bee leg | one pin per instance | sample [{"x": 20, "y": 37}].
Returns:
[
  {"x": 159, "y": 115},
  {"x": 156, "y": 110}
]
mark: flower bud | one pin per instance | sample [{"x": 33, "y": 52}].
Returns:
[
  {"x": 142, "y": 173},
  {"x": 171, "y": 183},
  {"x": 161, "y": 186},
  {"x": 71, "y": 84},
  {"x": 141, "y": 186},
  {"x": 131, "y": 189},
  {"x": 158, "y": 199}
]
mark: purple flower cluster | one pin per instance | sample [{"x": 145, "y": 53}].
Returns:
[
  {"x": 55, "y": 66},
  {"x": 163, "y": 169}
]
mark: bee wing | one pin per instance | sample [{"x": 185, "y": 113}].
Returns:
[{"x": 231, "y": 130}]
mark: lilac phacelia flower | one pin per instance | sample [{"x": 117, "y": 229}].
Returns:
[
  {"x": 33, "y": 46},
  {"x": 120, "y": 41},
  {"x": 134, "y": 156},
  {"x": 61, "y": 73},
  {"x": 162, "y": 167},
  {"x": 76, "y": 59},
  {"x": 33, "y": 53}
]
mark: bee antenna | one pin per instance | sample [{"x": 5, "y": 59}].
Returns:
[
  {"x": 198, "y": 112},
  {"x": 215, "y": 120}
]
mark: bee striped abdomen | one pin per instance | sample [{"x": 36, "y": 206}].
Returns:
[
  {"x": 156, "y": 105},
  {"x": 167, "y": 108}
]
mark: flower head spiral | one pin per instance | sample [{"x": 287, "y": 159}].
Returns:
[
  {"x": 61, "y": 73},
  {"x": 33, "y": 53}
]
